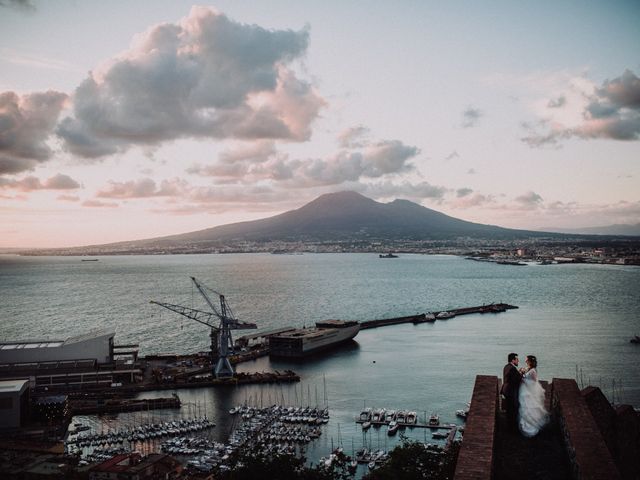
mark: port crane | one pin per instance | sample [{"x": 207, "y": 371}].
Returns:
[{"x": 221, "y": 341}]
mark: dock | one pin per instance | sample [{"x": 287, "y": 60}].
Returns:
[{"x": 422, "y": 317}]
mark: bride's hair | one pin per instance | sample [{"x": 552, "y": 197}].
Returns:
[{"x": 532, "y": 360}]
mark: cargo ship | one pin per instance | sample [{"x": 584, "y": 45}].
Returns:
[{"x": 306, "y": 341}]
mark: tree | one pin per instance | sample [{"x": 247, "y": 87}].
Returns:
[{"x": 416, "y": 461}]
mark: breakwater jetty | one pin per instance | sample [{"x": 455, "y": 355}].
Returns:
[
  {"x": 437, "y": 315},
  {"x": 240, "y": 378}
]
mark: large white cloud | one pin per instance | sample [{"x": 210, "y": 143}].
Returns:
[
  {"x": 26, "y": 122},
  {"x": 204, "y": 77}
]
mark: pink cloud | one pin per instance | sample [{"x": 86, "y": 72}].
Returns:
[
  {"x": 98, "y": 204},
  {"x": 611, "y": 111},
  {"x": 68, "y": 198},
  {"x": 143, "y": 188}
]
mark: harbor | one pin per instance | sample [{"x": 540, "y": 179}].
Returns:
[{"x": 376, "y": 367}]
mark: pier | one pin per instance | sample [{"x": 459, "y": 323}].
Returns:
[{"x": 445, "y": 426}]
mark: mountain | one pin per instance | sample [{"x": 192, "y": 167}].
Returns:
[
  {"x": 617, "y": 229},
  {"x": 330, "y": 217}
]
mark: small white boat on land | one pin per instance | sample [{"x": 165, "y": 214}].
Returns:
[{"x": 445, "y": 315}]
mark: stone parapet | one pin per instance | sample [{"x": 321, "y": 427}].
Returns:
[{"x": 475, "y": 460}]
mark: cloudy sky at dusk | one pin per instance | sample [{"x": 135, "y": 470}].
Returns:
[{"x": 126, "y": 120}]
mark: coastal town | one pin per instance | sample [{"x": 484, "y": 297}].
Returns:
[{"x": 553, "y": 250}]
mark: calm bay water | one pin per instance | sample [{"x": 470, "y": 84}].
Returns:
[{"x": 570, "y": 316}]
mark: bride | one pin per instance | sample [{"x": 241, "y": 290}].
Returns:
[{"x": 532, "y": 416}]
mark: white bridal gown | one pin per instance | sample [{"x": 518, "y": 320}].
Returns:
[{"x": 532, "y": 416}]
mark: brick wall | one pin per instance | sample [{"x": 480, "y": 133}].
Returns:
[
  {"x": 620, "y": 429},
  {"x": 589, "y": 456},
  {"x": 475, "y": 460}
]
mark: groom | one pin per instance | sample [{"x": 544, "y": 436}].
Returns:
[{"x": 511, "y": 379}]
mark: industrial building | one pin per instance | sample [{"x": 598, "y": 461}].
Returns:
[
  {"x": 96, "y": 345},
  {"x": 14, "y": 402},
  {"x": 64, "y": 365}
]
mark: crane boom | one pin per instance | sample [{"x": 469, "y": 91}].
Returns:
[
  {"x": 221, "y": 342},
  {"x": 192, "y": 313}
]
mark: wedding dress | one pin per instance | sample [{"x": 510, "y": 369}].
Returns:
[{"x": 532, "y": 416}]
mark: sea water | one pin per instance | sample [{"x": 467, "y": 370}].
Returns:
[{"x": 577, "y": 319}]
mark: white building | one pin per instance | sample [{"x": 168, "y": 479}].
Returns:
[
  {"x": 96, "y": 345},
  {"x": 14, "y": 400}
]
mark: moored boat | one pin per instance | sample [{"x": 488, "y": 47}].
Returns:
[
  {"x": 378, "y": 416},
  {"x": 393, "y": 428},
  {"x": 411, "y": 419},
  {"x": 365, "y": 415},
  {"x": 401, "y": 417}
]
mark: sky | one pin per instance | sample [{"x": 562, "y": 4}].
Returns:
[{"x": 126, "y": 120}]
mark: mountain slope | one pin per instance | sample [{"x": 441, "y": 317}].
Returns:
[
  {"x": 344, "y": 215},
  {"x": 331, "y": 217}
]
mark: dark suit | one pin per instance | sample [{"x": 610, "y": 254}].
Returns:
[{"x": 511, "y": 379}]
